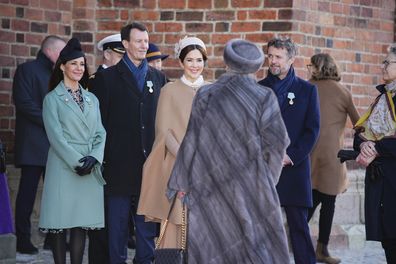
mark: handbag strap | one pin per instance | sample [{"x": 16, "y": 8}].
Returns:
[{"x": 183, "y": 226}]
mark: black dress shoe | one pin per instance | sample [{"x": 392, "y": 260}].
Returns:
[{"x": 27, "y": 248}]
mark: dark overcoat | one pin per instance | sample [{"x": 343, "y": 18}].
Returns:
[
  {"x": 128, "y": 116},
  {"x": 380, "y": 190},
  {"x": 302, "y": 123},
  {"x": 29, "y": 89}
]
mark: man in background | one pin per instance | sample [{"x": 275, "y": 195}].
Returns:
[
  {"x": 155, "y": 57},
  {"x": 112, "y": 51},
  {"x": 31, "y": 144}
]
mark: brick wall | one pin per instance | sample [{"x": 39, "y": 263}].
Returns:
[{"x": 355, "y": 32}]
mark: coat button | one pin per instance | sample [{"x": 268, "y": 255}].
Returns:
[{"x": 142, "y": 127}]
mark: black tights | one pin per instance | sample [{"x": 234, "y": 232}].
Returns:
[
  {"x": 77, "y": 245},
  {"x": 326, "y": 214}
]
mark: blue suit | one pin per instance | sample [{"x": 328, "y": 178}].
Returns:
[{"x": 301, "y": 117}]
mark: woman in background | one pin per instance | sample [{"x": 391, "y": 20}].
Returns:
[
  {"x": 328, "y": 174},
  {"x": 73, "y": 188},
  {"x": 173, "y": 112}
]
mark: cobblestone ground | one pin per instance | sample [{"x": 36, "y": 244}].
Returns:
[
  {"x": 45, "y": 257},
  {"x": 371, "y": 253}
]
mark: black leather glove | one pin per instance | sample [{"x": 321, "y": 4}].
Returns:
[
  {"x": 346, "y": 154},
  {"x": 88, "y": 163}
]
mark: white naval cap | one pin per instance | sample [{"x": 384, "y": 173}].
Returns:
[{"x": 112, "y": 42}]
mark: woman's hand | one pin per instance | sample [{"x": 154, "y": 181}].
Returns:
[
  {"x": 367, "y": 149},
  {"x": 363, "y": 160}
]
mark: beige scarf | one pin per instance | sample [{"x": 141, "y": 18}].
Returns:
[{"x": 379, "y": 121}]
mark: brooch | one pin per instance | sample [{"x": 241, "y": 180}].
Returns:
[
  {"x": 291, "y": 96},
  {"x": 150, "y": 86},
  {"x": 88, "y": 100}
]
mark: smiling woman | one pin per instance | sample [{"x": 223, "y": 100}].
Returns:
[
  {"x": 73, "y": 188},
  {"x": 173, "y": 113}
]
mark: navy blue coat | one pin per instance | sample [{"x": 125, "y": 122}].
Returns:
[
  {"x": 29, "y": 89},
  {"x": 380, "y": 192},
  {"x": 302, "y": 123},
  {"x": 128, "y": 117}
]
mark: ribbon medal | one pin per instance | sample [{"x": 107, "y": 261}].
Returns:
[
  {"x": 150, "y": 86},
  {"x": 291, "y": 96}
]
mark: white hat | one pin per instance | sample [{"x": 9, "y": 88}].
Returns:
[
  {"x": 112, "y": 42},
  {"x": 187, "y": 41}
]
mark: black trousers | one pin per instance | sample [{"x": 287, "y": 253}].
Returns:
[
  {"x": 326, "y": 214},
  {"x": 30, "y": 177},
  {"x": 98, "y": 248},
  {"x": 389, "y": 245}
]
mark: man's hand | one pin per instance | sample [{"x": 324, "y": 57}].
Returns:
[{"x": 286, "y": 161}]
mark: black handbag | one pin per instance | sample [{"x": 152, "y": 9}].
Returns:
[
  {"x": 3, "y": 167},
  {"x": 172, "y": 255}
]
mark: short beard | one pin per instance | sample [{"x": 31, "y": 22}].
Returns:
[{"x": 276, "y": 73}]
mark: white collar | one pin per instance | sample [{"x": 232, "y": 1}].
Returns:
[{"x": 197, "y": 83}]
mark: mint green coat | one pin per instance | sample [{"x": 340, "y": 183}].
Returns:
[{"x": 70, "y": 200}]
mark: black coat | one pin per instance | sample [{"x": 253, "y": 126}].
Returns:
[
  {"x": 129, "y": 119},
  {"x": 29, "y": 89},
  {"x": 380, "y": 189}
]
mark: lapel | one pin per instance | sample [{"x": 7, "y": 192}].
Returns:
[
  {"x": 149, "y": 84},
  {"x": 67, "y": 100},
  {"x": 128, "y": 77},
  {"x": 286, "y": 106}
]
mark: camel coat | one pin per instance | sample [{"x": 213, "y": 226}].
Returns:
[
  {"x": 328, "y": 174},
  {"x": 173, "y": 112}
]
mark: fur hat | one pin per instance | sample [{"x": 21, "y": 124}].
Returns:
[
  {"x": 242, "y": 56},
  {"x": 71, "y": 51}
]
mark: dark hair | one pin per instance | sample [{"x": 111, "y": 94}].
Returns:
[
  {"x": 49, "y": 41},
  {"x": 126, "y": 30},
  {"x": 189, "y": 48},
  {"x": 325, "y": 68},
  {"x": 284, "y": 43},
  {"x": 57, "y": 75}
]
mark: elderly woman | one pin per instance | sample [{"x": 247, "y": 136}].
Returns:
[
  {"x": 375, "y": 139},
  {"x": 73, "y": 187},
  {"x": 327, "y": 173},
  {"x": 173, "y": 112},
  {"x": 228, "y": 165}
]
